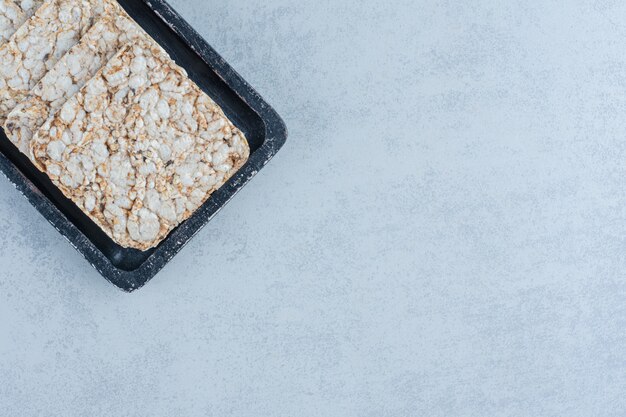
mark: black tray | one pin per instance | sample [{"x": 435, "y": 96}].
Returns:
[{"x": 130, "y": 269}]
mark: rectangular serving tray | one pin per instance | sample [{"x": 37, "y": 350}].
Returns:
[{"x": 130, "y": 269}]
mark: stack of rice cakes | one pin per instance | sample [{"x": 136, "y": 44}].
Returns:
[{"x": 116, "y": 124}]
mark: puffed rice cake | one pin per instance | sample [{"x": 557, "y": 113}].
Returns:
[
  {"x": 39, "y": 44},
  {"x": 14, "y": 14},
  {"x": 140, "y": 147},
  {"x": 80, "y": 64}
]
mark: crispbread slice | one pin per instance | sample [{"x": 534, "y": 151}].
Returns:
[
  {"x": 140, "y": 147},
  {"x": 100, "y": 43},
  {"x": 39, "y": 44},
  {"x": 14, "y": 14}
]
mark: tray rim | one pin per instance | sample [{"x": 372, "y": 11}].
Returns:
[{"x": 275, "y": 138}]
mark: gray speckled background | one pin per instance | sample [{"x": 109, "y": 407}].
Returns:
[{"x": 443, "y": 234}]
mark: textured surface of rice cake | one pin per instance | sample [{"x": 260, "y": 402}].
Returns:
[
  {"x": 13, "y": 14},
  {"x": 107, "y": 36},
  {"x": 28, "y": 6},
  {"x": 140, "y": 148},
  {"x": 38, "y": 45}
]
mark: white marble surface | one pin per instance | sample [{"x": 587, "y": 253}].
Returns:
[{"x": 443, "y": 234}]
